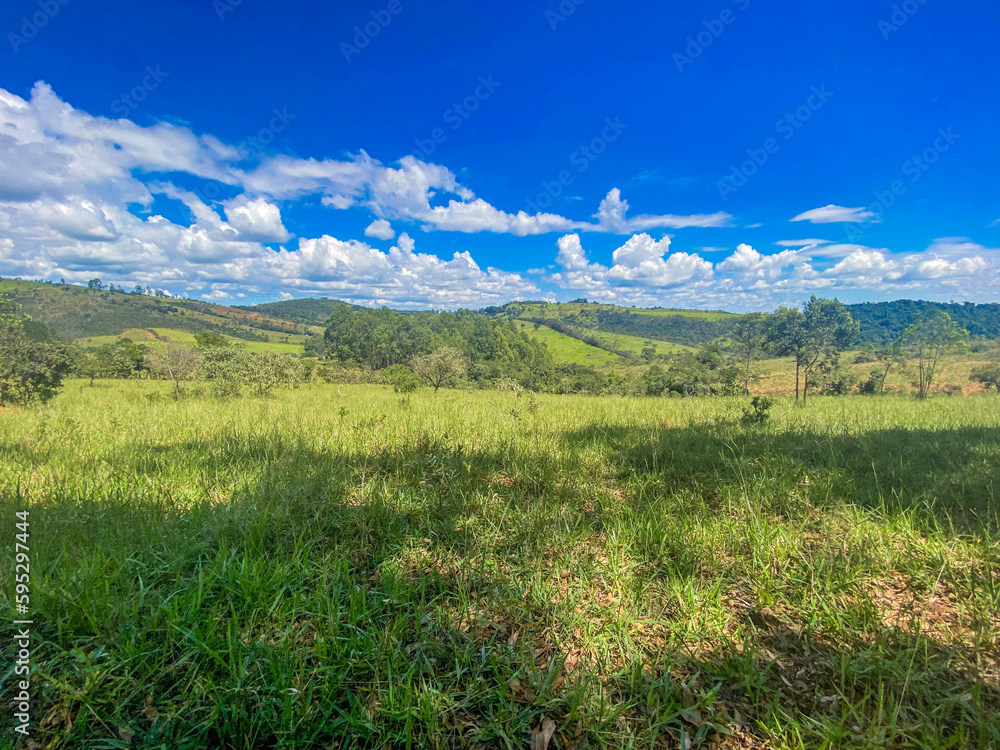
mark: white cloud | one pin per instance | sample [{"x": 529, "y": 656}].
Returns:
[
  {"x": 838, "y": 214},
  {"x": 256, "y": 220},
  {"x": 380, "y": 229},
  {"x": 802, "y": 243}
]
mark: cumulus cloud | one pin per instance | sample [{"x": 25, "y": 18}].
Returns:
[
  {"x": 837, "y": 214},
  {"x": 80, "y": 195},
  {"x": 380, "y": 229}
]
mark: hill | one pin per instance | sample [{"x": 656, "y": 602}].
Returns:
[
  {"x": 883, "y": 322},
  {"x": 310, "y": 311},
  {"x": 88, "y": 315}
]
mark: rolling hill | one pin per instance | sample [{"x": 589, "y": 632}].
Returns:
[{"x": 90, "y": 317}]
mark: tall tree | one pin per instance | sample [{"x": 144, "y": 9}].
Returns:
[
  {"x": 829, "y": 329},
  {"x": 786, "y": 337},
  {"x": 930, "y": 338},
  {"x": 749, "y": 341}
]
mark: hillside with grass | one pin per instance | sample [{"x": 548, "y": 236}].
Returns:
[{"x": 92, "y": 317}]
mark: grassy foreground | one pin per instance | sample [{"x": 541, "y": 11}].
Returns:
[{"x": 357, "y": 571}]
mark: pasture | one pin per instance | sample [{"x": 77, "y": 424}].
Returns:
[{"x": 456, "y": 570}]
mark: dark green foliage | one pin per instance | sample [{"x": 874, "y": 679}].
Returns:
[
  {"x": 402, "y": 379},
  {"x": 884, "y": 322},
  {"x": 989, "y": 376},
  {"x": 314, "y": 312},
  {"x": 758, "y": 412},
  {"x": 494, "y": 348},
  {"x": 211, "y": 340},
  {"x": 32, "y": 362}
]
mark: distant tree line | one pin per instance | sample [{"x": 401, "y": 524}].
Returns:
[{"x": 491, "y": 349}]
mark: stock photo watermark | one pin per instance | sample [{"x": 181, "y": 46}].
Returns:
[
  {"x": 915, "y": 168},
  {"x": 224, "y": 7},
  {"x": 127, "y": 102},
  {"x": 456, "y": 115},
  {"x": 787, "y": 127},
  {"x": 901, "y": 14},
  {"x": 582, "y": 158},
  {"x": 363, "y": 35},
  {"x": 714, "y": 28},
  {"x": 22, "y": 636},
  {"x": 256, "y": 144},
  {"x": 31, "y": 25},
  {"x": 562, "y": 12}
]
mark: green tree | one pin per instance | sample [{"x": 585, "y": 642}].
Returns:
[
  {"x": 786, "y": 337},
  {"x": 928, "y": 340},
  {"x": 989, "y": 376},
  {"x": 441, "y": 367},
  {"x": 749, "y": 342},
  {"x": 212, "y": 340},
  {"x": 122, "y": 360},
  {"x": 402, "y": 379},
  {"x": 829, "y": 329},
  {"x": 32, "y": 367}
]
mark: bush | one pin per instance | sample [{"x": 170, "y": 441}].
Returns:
[
  {"x": 402, "y": 379},
  {"x": 758, "y": 412}
]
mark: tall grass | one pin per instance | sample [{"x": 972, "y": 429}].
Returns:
[{"x": 451, "y": 570}]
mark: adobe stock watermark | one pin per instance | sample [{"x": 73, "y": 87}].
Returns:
[
  {"x": 562, "y": 12},
  {"x": 915, "y": 168},
  {"x": 714, "y": 28},
  {"x": 31, "y": 25},
  {"x": 363, "y": 35},
  {"x": 224, "y": 7},
  {"x": 456, "y": 116},
  {"x": 582, "y": 158},
  {"x": 787, "y": 127},
  {"x": 255, "y": 145},
  {"x": 124, "y": 104},
  {"x": 249, "y": 149},
  {"x": 901, "y": 14}
]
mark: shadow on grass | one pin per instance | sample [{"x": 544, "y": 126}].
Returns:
[
  {"x": 286, "y": 614},
  {"x": 949, "y": 476}
]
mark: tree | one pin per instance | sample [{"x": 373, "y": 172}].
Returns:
[
  {"x": 402, "y": 379},
  {"x": 32, "y": 367},
  {"x": 95, "y": 285},
  {"x": 749, "y": 341},
  {"x": 231, "y": 368},
  {"x": 212, "y": 340},
  {"x": 786, "y": 337},
  {"x": 177, "y": 363},
  {"x": 930, "y": 338},
  {"x": 441, "y": 367},
  {"x": 989, "y": 376},
  {"x": 123, "y": 359},
  {"x": 829, "y": 329},
  {"x": 887, "y": 358}
]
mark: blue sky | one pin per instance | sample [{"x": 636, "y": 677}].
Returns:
[{"x": 732, "y": 154}]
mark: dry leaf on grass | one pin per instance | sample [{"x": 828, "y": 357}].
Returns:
[{"x": 540, "y": 738}]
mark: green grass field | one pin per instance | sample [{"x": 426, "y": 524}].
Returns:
[
  {"x": 452, "y": 570},
  {"x": 566, "y": 350},
  {"x": 159, "y": 338}
]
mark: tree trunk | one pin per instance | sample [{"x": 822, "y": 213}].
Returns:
[{"x": 797, "y": 368}]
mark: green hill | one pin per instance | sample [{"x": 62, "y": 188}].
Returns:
[
  {"x": 308, "y": 311},
  {"x": 87, "y": 316}
]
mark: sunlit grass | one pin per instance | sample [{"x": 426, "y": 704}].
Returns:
[{"x": 451, "y": 569}]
